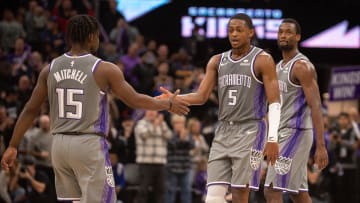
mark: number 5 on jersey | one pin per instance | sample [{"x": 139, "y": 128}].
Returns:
[
  {"x": 232, "y": 97},
  {"x": 68, "y": 98}
]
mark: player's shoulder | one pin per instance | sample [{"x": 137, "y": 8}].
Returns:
[
  {"x": 214, "y": 61},
  {"x": 303, "y": 64}
]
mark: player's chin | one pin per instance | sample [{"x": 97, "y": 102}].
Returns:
[{"x": 235, "y": 45}]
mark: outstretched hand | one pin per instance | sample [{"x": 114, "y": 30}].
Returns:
[
  {"x": 271, "y": 152},
  {"x": 178, "y": 106}
]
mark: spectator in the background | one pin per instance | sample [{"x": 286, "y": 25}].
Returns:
[
  {"x": 355, "y": 121},
  {"x": 4, "y": 181},
  {"x": 32, "y": 35},
  {"x": 36, "y": 183},
  {"x": 200, "y": 179},
  {"x": 11, "y": 102},
  {"x": 145, "y": 72},
  {"x": 18, "y": 56},
  {"x": 35, "y": 22},
  {"x": 163, "y": 79},
  {"x": 343, "y": 142},
  {"x": 126, "y": 133},
  {"x": 6, "y": 78},
  {"x": 64, "y": 10},
  {"x": 35, "y": 64},
  {"x": 40, "y": 149},
  {"x": 162, "y": 53},
  {"x": 110, "y": 16},
  {"x": 179, "y": 167},
  {"x": 53, "y": 37},
  {"x": 17, "y": 192},
  {"x": 152, "y": 135},
  {"x": 119, "y": 176},
  {"x": 201, "y": 148},
  {"x": 10, "y": 30},
  {"x": 6, "y": 125},
  {"x": 182, "y": 66},
  {"x": 119, "y": 35},
  {"x": 130, "y": 61},
  {"x": 24, "y": 90}
]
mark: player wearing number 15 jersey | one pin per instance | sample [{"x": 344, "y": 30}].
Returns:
[
  {"x": 76, "y": 85},
  {"x": 246, "y": 81}
]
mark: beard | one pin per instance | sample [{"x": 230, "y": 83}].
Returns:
[{"x": 285, "y": 47}]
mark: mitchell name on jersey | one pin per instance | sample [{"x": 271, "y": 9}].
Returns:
[{"x": 73, "y": 74}]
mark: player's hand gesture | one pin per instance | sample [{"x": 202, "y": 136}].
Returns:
[
  {"x": 177, "y": 105},
  {"x": 8, "y": 158},
  {"x": 321, "y": 158},
  {"x": 271, "y": 152}
]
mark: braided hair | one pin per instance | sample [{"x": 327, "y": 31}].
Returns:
[{"x": 80, "y": 28}]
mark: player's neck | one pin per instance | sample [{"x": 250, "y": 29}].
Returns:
[
  {"x": 77, "y": 50},
  {"x": 237, "y": 53},
  {"x": 289, "y": 54}
]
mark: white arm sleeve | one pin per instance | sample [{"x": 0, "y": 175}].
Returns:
[{"x": 274, "y": 121}]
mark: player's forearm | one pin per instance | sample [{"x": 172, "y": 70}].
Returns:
[
  {"x": 194, "y": 98},
  {"x": 142, "y": 101},
  {"x": 24, "y": 122},
  {"x": 318, "y": 123}
]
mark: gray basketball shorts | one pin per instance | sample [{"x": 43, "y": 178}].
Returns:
[
  {"x": 82, "y": 169},
  {"x": 289, "y": 173},
  {"x": 236, "y": 154}
]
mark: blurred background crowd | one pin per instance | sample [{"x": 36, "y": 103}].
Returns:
[{"x": 155, "y": 155}]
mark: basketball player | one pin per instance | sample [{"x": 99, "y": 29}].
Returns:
[
  {"x": 300, "y": 112},
  {"x": 76, "y": 85},
  {"x": 246, "y": 80}
]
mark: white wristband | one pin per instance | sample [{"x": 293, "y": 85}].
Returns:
[{"x": 274, "y": 121}]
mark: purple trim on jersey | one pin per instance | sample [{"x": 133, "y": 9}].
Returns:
[
  {"x": 96, "y": 65},
  {"x": 101, "y": 125},
  {"x": 299, "y": 110},
  {"x": 108, "y": 191},
  {"x": 259, "y": 101},
  {"x": 260, "y": 136},
  {"x": 289, "y": 151},
  {"x": 258, "y": 145},
  {"x": 83, "y": 54}
]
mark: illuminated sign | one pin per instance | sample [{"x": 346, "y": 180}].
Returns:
[
  {"x": 212, "y": 22},
  {"x": 336, "y": 36},
  {"x": 132, "y": 9}
]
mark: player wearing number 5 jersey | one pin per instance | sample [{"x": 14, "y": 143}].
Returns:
[
  {"x": 246, "y": 80},
  {"x": 76, "y": 85}
]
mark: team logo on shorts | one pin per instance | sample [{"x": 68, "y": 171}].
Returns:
[
  {"x": 282, "y": 165},
  {"x": 109, "y": 176},
  {"x": 255, "y": 158}
]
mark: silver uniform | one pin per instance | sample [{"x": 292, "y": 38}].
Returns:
[
  {"x": 235, "y": 154},
  {"x": 79, "y": 121},
  {"x": 295, "y": 133}
]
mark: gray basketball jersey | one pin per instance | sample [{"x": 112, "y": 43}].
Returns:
[
  {"x": 241, "y": 95},
  {"x": 295, "y": 113},
  {"x": 77, "y": 105}
]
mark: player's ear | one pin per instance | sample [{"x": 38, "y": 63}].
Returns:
[
  {"x": 251, "y": 33},
  {"x": 298, "y": 37}
]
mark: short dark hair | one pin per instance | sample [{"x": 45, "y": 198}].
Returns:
[
  {"x": 295, "y": 22},
  {"x": 80, "y": 27},
  {"x": 244, "y": 17}
]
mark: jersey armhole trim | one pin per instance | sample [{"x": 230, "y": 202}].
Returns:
[
  {"x": 289, "y": 75},
  {"x": 252, "y": 67},
  {"x": 51, "y": 64},
  {"x": 222, "y": 56},
  {"x": 95, "y": 65}
]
